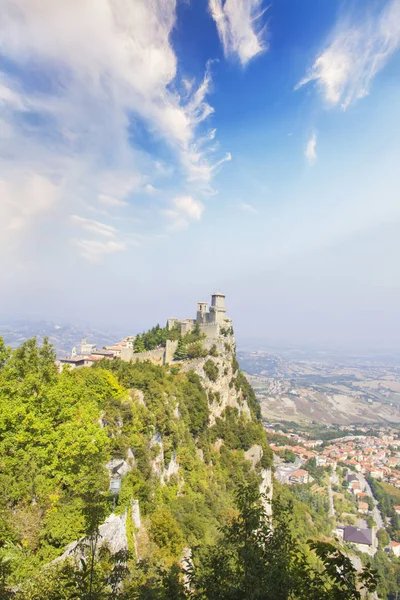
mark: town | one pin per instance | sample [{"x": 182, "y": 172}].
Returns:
[{"x": 350, "y": 470}]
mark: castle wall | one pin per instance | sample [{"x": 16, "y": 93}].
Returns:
[
  {"x": 187, "y": 326},
  {"x": 126, "y": 353},
  {"x": 154, "y": 356},
  {"x": 159, "y": 356},
  {"x": 211, "y": 330},
  {"x": 170, "y": 348}
]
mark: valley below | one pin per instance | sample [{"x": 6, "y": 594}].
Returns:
[{"x": 327, "y": 390}]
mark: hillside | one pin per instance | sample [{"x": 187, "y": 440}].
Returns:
[
  {"x": 63, "y": 337},
  {"x": 184, "y": 450},
  {"x": 178, "y": 435}
]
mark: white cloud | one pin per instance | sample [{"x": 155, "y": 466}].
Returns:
[
  {"x": 94, "y": 250},
  {"x": 247, "y": 207},
  {"x": 24, "y": 199},
  {"x": 94, "y": 227},
  {"x": 107, "y": 200},
  {"x": 356, "y": 53},
  {"x": 104, "y": 64},
  {"x": 310, "y": 151},
  {"x": 184, "y": 209},
  {"x": 150, "y": 189},
  {"x": 238, "y": 24}
]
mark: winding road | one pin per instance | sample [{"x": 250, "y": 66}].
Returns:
[{"x": 376, "y": 515}]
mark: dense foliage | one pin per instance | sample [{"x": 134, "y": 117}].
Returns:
[
  {"x": 211, "y": 370},
  {"x": 57, "y": 433},
  {"x": 387, "y": 498},
  {"x": 255, "y": 560},
  {"x": 59, "y": 430},
  {"x": 155, "y": 337}
]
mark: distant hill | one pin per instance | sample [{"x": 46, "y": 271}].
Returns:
[
  {"x": 324, "y": 391},
  {"x": 63, "y": 337}
]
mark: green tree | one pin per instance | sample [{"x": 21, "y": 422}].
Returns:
[
  {"x": 196, "y": 350},
  {"x": 5, "y": 352},
  {"x": 181, "y": 351},
  {"x": 383, "y": 538},
  {"x": 138, "y": 344},
  {"x": 166, "y": 532},
  {"x": 253, "y": 560},
  {"x": 211, "y": 370}
]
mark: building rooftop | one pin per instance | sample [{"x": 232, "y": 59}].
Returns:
[
  {"x": 357, "y": 535},
  {"x": 299, "y": 473},
  {"x": 73, "y": 359}
]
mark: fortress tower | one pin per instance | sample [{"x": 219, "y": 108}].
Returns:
[
  {"x": 202, "y": 313},
  {"x": 217, "y": 309},
  {"x": 210, "y": 319}
]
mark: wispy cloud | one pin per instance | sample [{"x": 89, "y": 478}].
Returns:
[
  {"x": 24, "y": 200},
  {"x": 94, "y": 250},
  {"x": 310, "y": 151},
  {"x": 150, "y": 189},
  {"x": 247, "y": 207},
  {"x": 73, "y": 127},
  {"x": 107, "y": 200},
  {"x": 356, "y": 52},
  {"x": 183, "y": 210},
  {"x": 239, "y": 27},
  {"x": 94, "y": 227}
]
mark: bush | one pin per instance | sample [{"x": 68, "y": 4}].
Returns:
[
  {"x": 213, "y": 350},
  {"x": 211, "y": 370},
  {"x": 235, "y": 364},
  {"x": 195, "y": 350}
]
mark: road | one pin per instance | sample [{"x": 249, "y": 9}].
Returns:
[
  {"x": 376, "y": 515},
  {"x": 331, "y": 506}
]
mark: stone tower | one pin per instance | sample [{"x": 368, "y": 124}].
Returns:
[
  {"x": 201, "y": 317},
  {"x": 217, "y": 308}
]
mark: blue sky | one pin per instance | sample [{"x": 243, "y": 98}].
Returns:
[{"x": 152, "y": 151}]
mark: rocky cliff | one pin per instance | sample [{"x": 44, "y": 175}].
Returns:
[
  {"x": 220, "y": 378},
  {"x": 183, "y": 434},
  {"x": 221, "y": 389}
]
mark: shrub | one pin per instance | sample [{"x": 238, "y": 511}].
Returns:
[
  {"x": 196, "y": 350},
  {"x": 211, "y": 370},
  {"x": 213, "y": 350},
  {"x": 235, "y": 364}
]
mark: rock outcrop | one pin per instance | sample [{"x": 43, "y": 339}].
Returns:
[{"x": 221, "y": 391}]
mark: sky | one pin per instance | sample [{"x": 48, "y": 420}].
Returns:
[{"x": 155, "y": 151}]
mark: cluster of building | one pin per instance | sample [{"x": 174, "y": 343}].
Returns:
[
  {"x": 356, "y": 489},
  {"x": 211, "y": 320},
  {"x": 377, "y": 457},
  {"x": 88, "y": 353}
]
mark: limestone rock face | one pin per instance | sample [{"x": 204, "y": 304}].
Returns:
[
  {"x": 222, "y": 391},
  {"x": 266, "y": 490},
  {"x": 112, "y": 533},
  {"x": 157, "y": 464},
  {"x": 254, "y": 454},
  {"x": 172, "y": 469},
  {"x": 119, "y": 466}
]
